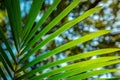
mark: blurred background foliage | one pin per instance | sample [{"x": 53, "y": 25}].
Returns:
[{"x": 108, "y": 18}]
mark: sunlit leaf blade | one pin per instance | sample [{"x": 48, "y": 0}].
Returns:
[
  {"x": 54, "y": 22},
  {"x": 69, "y": 67},
  {"x": 67, "y": 46},
  {"x": 108, "y": 79},
  {"x": 42, "y": 20},
  {"x": 14, "y": 19},
  {"x": 83, "y": 69},
  {"x": 2, "y": 36},
  {"x": 34, "y": 10},
  {"x": 81, "y": 66},
  {"x": 2, "y": 52},
  {"x": 90, "y": 74},
  {"x": 61, "y": 30},
  {"x": 2, "y": 74},
  {"x": 24, "y": 44},
  {"x": 68, "y": 59}
]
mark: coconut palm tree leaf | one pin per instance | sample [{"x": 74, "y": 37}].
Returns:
[
  {"x": 5, "y": 65},
  {"x": 2, "y": 74},
  {"x": 76, "y": 65},
  {"x": 54, "y": 22},
  {"x": 41, "y": 21},
  {"x": 108, "y": 79},
  {"x": 66, "y": 46},
  {"x": 81, "y": 68},
  {"x": 17, "y": 15},
  {"x": 15, "y": 19},
  {"x": 92, "y": 73},
  {"x": 23, "y": 43},
  {"x": 34, "y": 10},
  {"x": 71, "y": 58},
  {"x": 61, "y": 30},
  {"x": 4, "y": 39},
  {"x": 3, "y": 53}
]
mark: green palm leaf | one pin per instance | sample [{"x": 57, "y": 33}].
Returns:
[
  {"x": 93, "y": 73},
  {"x": 61, "y": 30},
  {"x": 81, "y": 68},
  {"x": 68, "y": 59},
  {"x": 41, "y": 21},
  {"x": 53, "y": 23},
  {"x": 7, "y": 45},
  {"x": 7, "y": 59},
  {"x": 108, "y": 79},
  {"x": 15, "y": 20},
  {"x": 36, "y": 6},
  {"x": 3, "y": 74},
  {"x": 23, "y": 44},
  {"x": 5, "y": 65},
  {"x": 64, "y": 47}
]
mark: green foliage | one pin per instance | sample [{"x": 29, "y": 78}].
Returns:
[
  {"x": 22, "y": 38},
  {"x": 108, "y": 79}
]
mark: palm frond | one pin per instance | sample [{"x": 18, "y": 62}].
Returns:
[
  {"x": 53, "y": 23},
  {"x": 62, "y": 29},
  {"x": 41, "y": 21},
  {"x": 4, "y": 39},
  {"x": 92, "y": 73},
  {"x": 14, "y": 19},
  {"x": 35, "y": 8},
  {"x": 2, "y": 74},
  {"x": 108, "y": 79},
  {"x": 68, "y": 59},
  {"x": 79, "y": 67},
  {"x": 64, "y": 47},
  {"x": 84, "y": 68},
  {"x": 24, "y": 43},
  {"x": 7, "y": 59}
]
